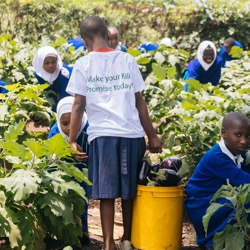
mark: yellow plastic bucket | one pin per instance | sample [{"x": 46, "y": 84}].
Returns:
[{"x": 157, "y": 218}]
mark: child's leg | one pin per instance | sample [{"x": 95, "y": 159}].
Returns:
[
  {"x": 107, "y": 220},
  {"x": 127, "y": 210}
]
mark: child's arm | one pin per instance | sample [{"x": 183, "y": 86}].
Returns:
[
  {"x": 75, "y": 123},
  {"x": 153, "y": 140}
]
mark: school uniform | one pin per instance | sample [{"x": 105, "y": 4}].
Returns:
[
  {"x": 199, "y": 70},
  {"x": 227, "y": 57},
  {"x": 216, "y": 167},
  {"x": 148, "y": 47},
  {"x": 58, "y": 80},
  {"x": 59, "y": 85},
  {"x": 109, "y": 79},
  {"x": 121, "y": 47},
  {"x": 3, "y": 90},
  {"x": 77, "y": 43}
]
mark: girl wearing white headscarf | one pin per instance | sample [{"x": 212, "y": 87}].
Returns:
[
  {"x": 63, "y": 115},
  {"x": 49, "y": 68},
  {"x": 207, "y": 67}
]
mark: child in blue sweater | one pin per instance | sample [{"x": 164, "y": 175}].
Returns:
[
  {"x": 224, "y": 161},
  {"x": 206, "y": 67},
  {"x": 49, "y": 68},
  {"x": 226, "y": 49}
]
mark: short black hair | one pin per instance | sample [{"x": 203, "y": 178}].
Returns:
[
  {"x": 229, "y": 41},
  {"x": 93, "y": 26},
  {"x": 232, "y": 118}
]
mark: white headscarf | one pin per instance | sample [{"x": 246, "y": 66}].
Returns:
[
  {"x": 38, "y": 62},
  {"x": 65, "y": 106},
  {"x": 203, "y": 45}
]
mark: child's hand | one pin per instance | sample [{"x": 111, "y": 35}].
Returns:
[
  {"x": 79, "y": 155},
  {"x": 155, "y": 144}
]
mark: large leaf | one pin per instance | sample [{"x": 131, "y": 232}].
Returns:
[
  {"x": 22, "y": 183},
  {"x": 143, "y": 60},
  {"x": 209, "y": 213},
  {"x": 14, "y": 131},
  {"x": 7, "y": 226},
  {"x": 58, "y": 206},
  {"x": 234, "y": 240},
  {"x": 57, "y": 145},
  {"x": 236, "y": 52},
  {"x": 37, "y": 147},
  {"x": 159, "y": 71},
  {"x": 3, "y": 111}
]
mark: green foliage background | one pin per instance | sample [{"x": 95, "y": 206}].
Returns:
[{"x": 137, "y": 21}]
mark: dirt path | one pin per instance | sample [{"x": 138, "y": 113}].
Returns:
[{"x": 188, "y": 234}]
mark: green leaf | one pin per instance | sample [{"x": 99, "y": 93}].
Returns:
[
  {"x": 13, "y": 159},
  {"x": 58, "y": 146},
  {"x": 56, "y": 205},
  {"x": 234, "y": 240},
  {"x": 143, "y": 60},
  {"x": 189, "y": 106},
  {"x": 171, "y": 72},
  {"x": 74, "y": 186},
  {"x": 236, "y": 52},
  {"x": 193, "y": 84},
  {"x": 209, "y": 213},
  {"x": 159, "y": 57},
  {"x": 3, "y": 111},
  {"x": 37, "y": 147},
  {"x": 13, "y": 149},
  {"x": 79, "y": 175},
  {"x": 219, "y": 241},
  {"x": 159, "y": 71},
  {"x": 14, "y": 131},
  {"x": 21, "y": 183},
  {"x": 7, "y": 226},
  {"x": 134, "y": 52}
]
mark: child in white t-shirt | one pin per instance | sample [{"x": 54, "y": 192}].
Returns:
[{"x": 107, "y": 83}]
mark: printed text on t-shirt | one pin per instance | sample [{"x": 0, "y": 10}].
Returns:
[{"x": 121, "y": 79}]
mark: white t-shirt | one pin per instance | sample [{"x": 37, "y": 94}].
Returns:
[{"x": 109, "y": 80}]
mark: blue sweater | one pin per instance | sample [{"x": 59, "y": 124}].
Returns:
[
  {"x": 210, "y": 174},
  {"x": 196, "y": 71},
  {"x": 146, "y": 47},
  {"x": 3, "y": 90},
  {"x": 58, "y": 86},
  {"x": 77, "y": 43},
  {"x": 227, "y": 57}
]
